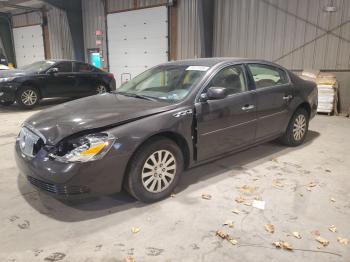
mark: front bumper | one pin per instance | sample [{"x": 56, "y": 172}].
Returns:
[
  {"x": 72, "y": 180},
  {"x": 8, "y": 91}
]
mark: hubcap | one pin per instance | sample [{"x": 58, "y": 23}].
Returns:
[
  {"x": 101, "y": 89},
  {"x": 299, "y": 128},
  {"x": 29, "y": 97},
  {"x": 159, "y": 171}
]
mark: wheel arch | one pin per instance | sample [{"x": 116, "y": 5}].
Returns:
[
  {"x": 31, "y": 84},
  {"x": 306, "y": 106}
]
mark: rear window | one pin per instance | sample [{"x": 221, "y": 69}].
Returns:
[{"x": 266, "y": 75}]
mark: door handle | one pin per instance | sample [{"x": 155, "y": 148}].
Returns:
[
  {"x": 247, "y": 107},
  {"x": 287, "y": 97}
]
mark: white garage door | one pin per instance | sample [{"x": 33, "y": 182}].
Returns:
[
  {"x": 137, "y": 40},
  {"x": 29, "y": 44}
]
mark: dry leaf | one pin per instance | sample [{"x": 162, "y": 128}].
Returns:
[
  {"x": 173, "y": 195},
  {"x": 248, "y": 204},
  {"x": 274, "y": 160},
  {"x": 229, "y": 223},
  {"x": 239, "y": 199},
  {"x": 270, "y": 228},
  {"x": 258, "y": 198},
  {"x": 323, "y": 241},
  {"x": 236, "y": 211},
  {"x": 333, "y": 228},
  {"x": 296, "y": 234},
  {"x": 206, "y": 196},
  {"x": 277, "y": 183},
  {"x": 308, "y": 188},
  {"x": 300, "y": 194},
  {"x": 255, "y": 179},
  {"x": 245, "y": 189},
  {"x": 130, "y": 259},
  {"x": 135, "y": 230},
  {"x": 283, "y": 245},
  {"x": 232, "y": 241},
  {"x": 343, "y": 241},
  {"x": 222, "y": 234},
  {"x": 332, "y": 199},
  {"x": 312, "y": 184}
]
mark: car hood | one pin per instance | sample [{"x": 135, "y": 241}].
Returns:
[
  {"x": 12, "y": 73},
  {"x": 94, "y": 112}
]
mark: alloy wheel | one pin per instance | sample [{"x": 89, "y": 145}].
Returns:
[
  {"x": 101, "y": 89},
  {"x": 159, "y": 171},
  {"x": 29, "y": 97},
  {"x": 299, "y": 127}
]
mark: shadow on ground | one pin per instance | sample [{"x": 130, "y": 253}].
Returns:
[{"x": 91, "y": 208}]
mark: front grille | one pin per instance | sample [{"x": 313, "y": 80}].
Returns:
[{"x": 58, "y": 189}]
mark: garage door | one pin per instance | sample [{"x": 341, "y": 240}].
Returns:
[
  {"x": 29, "y": 44},
  {"x": 137, "y": 40}
]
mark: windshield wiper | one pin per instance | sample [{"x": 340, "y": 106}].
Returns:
[{"x": 136, "y": 96}]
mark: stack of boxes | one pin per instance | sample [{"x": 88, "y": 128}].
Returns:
[{"x": 327, "y": 94}]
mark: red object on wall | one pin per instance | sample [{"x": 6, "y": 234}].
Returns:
[
  {"x": 98, "y": 42},
  {"x": 99, "y": 33}
]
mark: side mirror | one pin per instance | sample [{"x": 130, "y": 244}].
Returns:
[
  {"x": 52, "y": 71},
  {"x": 216, "y": 93}
]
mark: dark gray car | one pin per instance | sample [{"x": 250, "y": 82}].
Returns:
[{"x": 169, "y": 118}]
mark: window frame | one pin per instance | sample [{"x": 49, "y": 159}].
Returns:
[
  {"x": 75, "y": 66},
  {"x": 272, "y": 67},
  {"x": 61, "y": 62}
]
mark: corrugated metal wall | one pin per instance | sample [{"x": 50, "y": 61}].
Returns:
[
  {"x": 188, "y": 33},
  {"x": 94, "y": 19},
  {"x": 32, "y": 18},
  {"x": 60, "y": 37},
  {"x": 291, "y": 33}
]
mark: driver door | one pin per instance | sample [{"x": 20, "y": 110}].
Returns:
[{"x": 230, "y": 123}]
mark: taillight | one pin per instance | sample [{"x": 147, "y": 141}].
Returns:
[{"x": 110, "y": 75}]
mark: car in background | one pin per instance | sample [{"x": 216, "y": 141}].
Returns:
[
  {"x": 4, "y": 67},
  {"x": 50, "y": 79},
  {"x": 171, "y": 117}
]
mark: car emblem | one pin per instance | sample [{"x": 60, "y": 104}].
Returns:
[{"x": 183, "y": 113}]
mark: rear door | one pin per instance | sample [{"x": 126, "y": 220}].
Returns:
[
  {"x": 87, "y": 79},
  {"x": 274, "y": 93},
  {"x": 62, "y": 83},
  {"x": 230, "y": 123}
]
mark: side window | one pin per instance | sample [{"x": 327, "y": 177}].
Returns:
[
  {"x": 232, "y": 78},
  {"x": 64, "y": 67},
  {"x": 83, "y": 68},
  {"x": 265, "y": 75}
]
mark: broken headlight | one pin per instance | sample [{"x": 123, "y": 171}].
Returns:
[{"x": 87, "y": 148}]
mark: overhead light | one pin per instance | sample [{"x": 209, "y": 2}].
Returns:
[{"x": 330, "y": 7}]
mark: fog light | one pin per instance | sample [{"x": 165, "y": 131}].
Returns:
[{"x": 1, "y": 93}]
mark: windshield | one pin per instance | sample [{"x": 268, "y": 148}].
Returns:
[
  {"x": 37, "y": 66},
  {"x": 168, "y": 83}
]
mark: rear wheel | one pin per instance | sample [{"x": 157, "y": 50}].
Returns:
[
  {"x": 297, "y": 128},
  {"x": 28, "y": 97},
  {"x": 101, "y": 89},
  {"x": 154, "y": 170},
  {"x": 6, "y": 103}
]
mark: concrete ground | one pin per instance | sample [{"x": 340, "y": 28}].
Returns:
[{"x": 305, "y": 189}]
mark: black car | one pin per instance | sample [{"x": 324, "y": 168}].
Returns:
[
  {"x": 52, "y": 78},
  {"x": 169, "y": 118}
]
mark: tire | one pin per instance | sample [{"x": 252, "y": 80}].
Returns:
[
  {"x": 101, "y": 89},
  {"x": 6, "y": 103},
  {"x": 297, "y": 128},
  {"x": 153, "y": 187},
  {"x": 28, "y": 97}
]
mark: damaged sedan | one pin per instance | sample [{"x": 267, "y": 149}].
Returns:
[{"x": 172, "y": 117}]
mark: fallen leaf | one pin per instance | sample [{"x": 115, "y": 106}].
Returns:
[
  {"x": 343, "y": 241},
  {"x": 232, "y": 241},
  {"x": 255, "y": 179},
  {"x": 308, "y": 188},
  {"x": 322, "y": 240},
  {"x": 239, "y": 199},
  {"x": 257, "y": 197},
  {"x": 135, "y": 230},
  {"x": 130, "y": 259},
  {"x": 332, "y": 199},
  {"x": 333, "y": 228},
  {"x": 296, "y": 234},
  {"x": 277, "y": 183},
  {"x": 283, "y": 245},
  {"x": 312, "y": 184},
  {"x": 300, "y": 194},
  {"x": 222, "y": 234},
  {"x": 229, "y": 223},
  {"x": 206, "y": 196},
  {"x": 270, "y": 228},
  {"x": 248, "y": 204},
  {"x": 173, "y": 195},
  {"x": 245, "y": 189},
  {"x": 236, "y": 211},
  {"x": 328, "y": 171},
  {"x": 274, "y": 159}
]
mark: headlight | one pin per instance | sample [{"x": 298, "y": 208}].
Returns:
[
  {"x": 6, "y": 79},
  {"x": 88, "y": 148}
]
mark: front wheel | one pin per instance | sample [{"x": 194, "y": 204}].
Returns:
[
  {"x": 28, "y": 97},
  {"x": 154, "y": 170},
  {"x": 101, "y": 89},
  {"x": 297, "y": 128}
]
